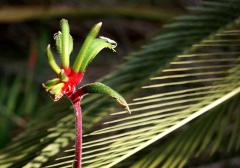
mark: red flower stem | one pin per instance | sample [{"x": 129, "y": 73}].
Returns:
[{"x": 78, "y": 140}]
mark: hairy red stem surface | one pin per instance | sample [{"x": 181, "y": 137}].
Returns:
[{"x": 78, "y": 143}]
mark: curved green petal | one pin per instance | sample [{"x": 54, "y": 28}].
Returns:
[
  {"x": 96, "y": 46},
  {"x": 52, "y": 61},
  {"x": 100, "y": 88},
  {"x": 64, "y": 43},
  {"x": 51, "y": 83},
  {"x": 88, "y": 41}
]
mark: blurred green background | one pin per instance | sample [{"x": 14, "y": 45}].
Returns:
[{"x": 26, "y": 27}]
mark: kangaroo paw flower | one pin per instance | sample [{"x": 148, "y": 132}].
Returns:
[{"x": 69, "y": 77}]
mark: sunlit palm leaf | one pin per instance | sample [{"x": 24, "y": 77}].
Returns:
[
  {"x": 197, "y": 81},
  {"x": 215, "y": 132}
]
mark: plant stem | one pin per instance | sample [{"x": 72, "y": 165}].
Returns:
[{"x": 78, "y": 125}]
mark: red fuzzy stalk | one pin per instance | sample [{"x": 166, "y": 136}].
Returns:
[
  {"x": 75, "y": 98},
  {"x": 69, "y": 89},
  {"x": 78, "y": 143}
]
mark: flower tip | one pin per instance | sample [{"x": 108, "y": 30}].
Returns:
[
  {"x": 44, "y": 86},
  {"x": 110, "y": 41},
  {"x": 97, "y": 27},
  {"x": 63, "y": 20},
  {"x": 128, "y": 109},
  {"x": 99, "y": 24},
  {"x": 64, "y": 23}
]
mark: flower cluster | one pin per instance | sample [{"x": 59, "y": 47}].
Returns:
[{"x": 69, "y": 77}]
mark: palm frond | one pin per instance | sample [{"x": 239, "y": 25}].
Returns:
[
  {"x": 176, "y": 37},
  {"x": 205, "y": 76},
  {"x": 213, "y": 133}
]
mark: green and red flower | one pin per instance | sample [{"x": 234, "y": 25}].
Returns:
[{"x": 68, "y": 77}]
